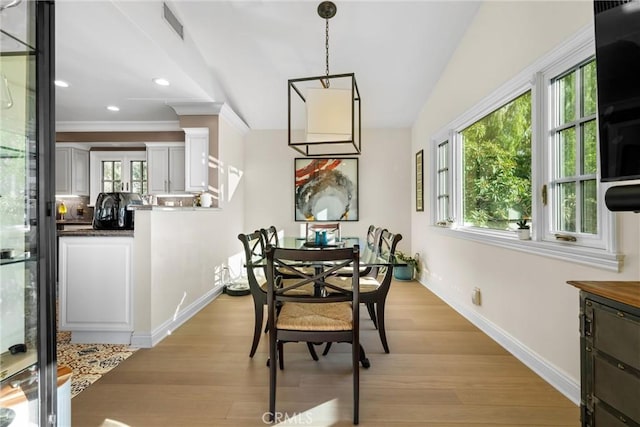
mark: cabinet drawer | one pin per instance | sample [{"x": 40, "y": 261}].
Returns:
[
  {"x": 617, "y": 334},
  {"x": 618, "y": 387},
  {"x": 604, "y": 418}
]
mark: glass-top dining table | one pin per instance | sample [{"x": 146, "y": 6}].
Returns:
[{"x": 370, "y": 257}]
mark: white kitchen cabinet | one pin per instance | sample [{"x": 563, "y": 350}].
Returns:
[
  {"x": 166, "y": 168},
  {"x": 72, "y": 171},
  {"x": 125, "y": 160},
  {"x": 96, "y": 288},
  {"x": 196, "y": 159}
]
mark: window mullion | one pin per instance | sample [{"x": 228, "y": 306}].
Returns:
[{"x": 578, "y": 151}]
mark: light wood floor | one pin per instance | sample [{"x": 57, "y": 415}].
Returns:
[{"x": 441, "y": 372}]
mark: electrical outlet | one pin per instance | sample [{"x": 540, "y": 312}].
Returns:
[{"x": 475, "y": 296}]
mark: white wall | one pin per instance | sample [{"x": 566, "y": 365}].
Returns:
[
  {"x": 180, "y": 254},
  {"x": 385, "y": 176},
  {"x": 525, "y": 300}
]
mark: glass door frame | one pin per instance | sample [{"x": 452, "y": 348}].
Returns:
[
  {"x": 33, "y": 30},
  {"x": 45, "y": 119}
]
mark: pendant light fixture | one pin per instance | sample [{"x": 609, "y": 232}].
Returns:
[{"x": 324, "y": 111}]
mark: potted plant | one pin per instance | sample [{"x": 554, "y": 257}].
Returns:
[
  {"x": 405, "y": 272},
  {"x": 523, "y": 231}
]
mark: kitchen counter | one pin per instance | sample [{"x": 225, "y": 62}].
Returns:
[
  {"x": 172, "y": 208},
  {"x": 61, "y": 224},
  {"x": 95, "y": 233},
  {"x": 74, "y": 221}
]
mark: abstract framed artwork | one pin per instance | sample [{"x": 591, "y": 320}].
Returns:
[
  {"x": 419, "y": 181},
  {"x": 326, "y": 189}
]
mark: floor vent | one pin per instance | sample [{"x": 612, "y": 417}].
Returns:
[{"x": 173, "y": 21}]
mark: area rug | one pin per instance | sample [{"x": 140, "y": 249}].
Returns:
[{"x": 89, "y": 362}]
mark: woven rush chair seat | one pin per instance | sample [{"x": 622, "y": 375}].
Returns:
[
  {"x": 287, "y": 271},
  {"x": 367, "y": 284},
  {"x": 307, "y": 289},
  {"x": 315, "y": 317}
]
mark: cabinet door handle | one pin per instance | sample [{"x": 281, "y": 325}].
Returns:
[
  {"x": 122, "y": 186},
  {"x": 165, "y": 185},
  {"x": 588, "y": 327},
  {"x": 127, "y": 186}
]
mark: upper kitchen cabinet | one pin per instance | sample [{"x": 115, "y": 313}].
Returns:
[
  {"x": 113, "y": 171},
  {"x": 166, "y": 168},
  {"x": 72, "y": 171},
  {"x": 197, "y": 159}
]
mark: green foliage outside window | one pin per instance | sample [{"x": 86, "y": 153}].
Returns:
[
  {"x": 577, "y": 150},
  {"x": 497, "y": 166}
]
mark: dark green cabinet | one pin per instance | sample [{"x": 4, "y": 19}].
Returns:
[{"x": 610, "y": 362}]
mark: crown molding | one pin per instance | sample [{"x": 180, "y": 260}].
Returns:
[
  {"x": 220, "y": 109},
  {"x": 122, "y": 126}
]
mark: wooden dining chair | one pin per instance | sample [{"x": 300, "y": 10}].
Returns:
[
  {"x": 374, "y": 287},
  {"x": 332, "y": 317},
  {"x": 368, "y": 253},
  {"x": 255, "y": 262},
  {"x": 270, "y": 236},
  {"x": 332, "y": 229},
  {"x": 253, "y": 245}
]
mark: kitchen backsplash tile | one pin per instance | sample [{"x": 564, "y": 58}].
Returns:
[{"x": 77, "y": 208}]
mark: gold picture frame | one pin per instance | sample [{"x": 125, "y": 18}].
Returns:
[{"x": 419, "y": 181}]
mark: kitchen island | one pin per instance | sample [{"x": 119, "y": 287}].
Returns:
[{"x": 136, "y": 286}]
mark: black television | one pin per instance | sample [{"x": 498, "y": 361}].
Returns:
[{"x": 617, "y": 39}]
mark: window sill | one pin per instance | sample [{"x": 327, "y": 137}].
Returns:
[{"x": 565, "y": 251}]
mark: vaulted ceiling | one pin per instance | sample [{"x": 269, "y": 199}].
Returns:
[{"x": 243, "y": 52}]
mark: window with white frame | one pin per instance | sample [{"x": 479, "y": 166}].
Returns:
[
  {"x": 530, "y": 151},
  {"x": 496, "y": 166},
  {"x": 139, "y": 176},
  {"x": 443, "y": 179},
  {"x": 111, "y": 176},
  {"x": 573, "y": 187}
]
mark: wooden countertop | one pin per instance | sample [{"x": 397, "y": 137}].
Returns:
[{"x": 624, "y": 292}]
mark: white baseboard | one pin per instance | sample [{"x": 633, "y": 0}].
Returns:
[
  {"x": 103, "y": 337},
  {"x": 148, "y": 340},
  {"x": 559, "y": 380}
]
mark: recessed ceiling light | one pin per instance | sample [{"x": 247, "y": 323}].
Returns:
[
  {"x": 113, "y": 108},
  {"x": 60, "y": 83},
  {"x": 161, "y": 82}
]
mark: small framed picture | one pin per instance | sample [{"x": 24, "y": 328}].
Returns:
[{"x": 419, "y": 181}]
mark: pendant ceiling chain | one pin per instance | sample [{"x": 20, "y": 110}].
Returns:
[
  {"x": 327, "y": 50},
  {"x": 327, "y": 10}
]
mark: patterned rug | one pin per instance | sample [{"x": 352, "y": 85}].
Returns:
[{"x": 89, "y": 362}]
